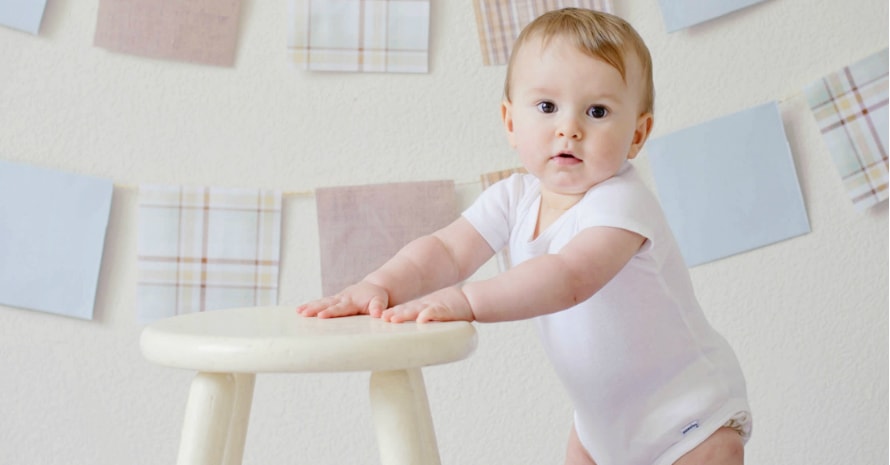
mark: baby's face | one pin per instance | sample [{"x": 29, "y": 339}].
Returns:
[{"x": 572, "y": 118}]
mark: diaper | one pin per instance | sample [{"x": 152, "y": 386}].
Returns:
[{"x": 741, "y": 423}]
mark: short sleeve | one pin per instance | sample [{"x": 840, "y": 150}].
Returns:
[
  {"x": 493, "y": 212},
  {"x": 624, "y": 202}
]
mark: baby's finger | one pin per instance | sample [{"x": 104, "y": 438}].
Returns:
[
  {"x": 435, "y": 313},
  {"x": 376, "y": 307},
  {"x": 401, "y": 313},
  {"x": 312, "y": 308},
  {"x": 342, "y": 308},
  {"x": 428, "y": 315},
  {"x": 316, "y": 308}
]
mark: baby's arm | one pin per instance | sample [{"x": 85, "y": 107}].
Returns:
[
  {"x": 542, "y": 285},
  {"x": 554, "y": 282},
  {"x": 426, "y": 264}
]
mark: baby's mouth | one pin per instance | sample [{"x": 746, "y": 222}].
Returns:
[{"x": 566, "y": 156}]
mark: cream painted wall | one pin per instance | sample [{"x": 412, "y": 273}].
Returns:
[{"x": 808, "y": 316}]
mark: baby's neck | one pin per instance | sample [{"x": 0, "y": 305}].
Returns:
[
  {"x": 559, "y": 202},
  {"x": 552, "y": 207}
]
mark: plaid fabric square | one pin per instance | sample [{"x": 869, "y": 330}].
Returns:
[
  {"x": 206, "y": 248},
  {"x": 360, "y": 35},
  {"x": 361, "y": 227},
  {"x": 500, "y": 21},
  {"x": 503, "y": 257},
  {"x": 850, "y": 107}
]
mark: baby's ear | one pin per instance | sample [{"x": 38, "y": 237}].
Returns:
[
  {"x": 641, "y": 134},
  {"x": 507, "y": 117}
]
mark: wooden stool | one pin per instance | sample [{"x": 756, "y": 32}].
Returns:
[{"x": 228, "y": 348}]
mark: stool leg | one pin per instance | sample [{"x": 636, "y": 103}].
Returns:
[
  {"x": 205, "y": 428},
  {"x": 244, "y": 383},
  {"x": 402, "y": 418}
]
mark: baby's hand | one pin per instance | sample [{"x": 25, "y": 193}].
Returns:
[
  {"x": 359, "y": 299},
  {"x": 447, "y": 304}
]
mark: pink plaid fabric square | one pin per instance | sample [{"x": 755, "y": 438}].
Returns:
[
  {"x": 206, "y": 248},
  {"x": 361, "y": 227},
  {"x": 360, "y": 35},
  {"x": 500, "y": 21},
  {"x": 850, "y": 107}
]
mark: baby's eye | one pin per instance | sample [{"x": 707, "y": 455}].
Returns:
[
  {"x": 546, "y": 107},
  {"x": 597, "y": 112}
]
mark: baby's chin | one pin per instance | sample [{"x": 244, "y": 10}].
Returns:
[
  {"x": 565, "y": 190},
  {"x": 573, "y": 186}
]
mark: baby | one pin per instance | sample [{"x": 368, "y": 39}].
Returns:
[{"x": 651, "y": 382}]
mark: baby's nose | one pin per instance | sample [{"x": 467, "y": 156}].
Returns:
[{"x": 569, "y": 128}]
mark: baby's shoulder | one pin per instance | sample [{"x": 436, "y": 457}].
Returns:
[
  {"x": 512, "y": 189},
  {"x": 625, "y": 187}
]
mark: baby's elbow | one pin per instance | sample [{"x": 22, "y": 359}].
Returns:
[
  {"x": 581, "y": 293},
  {"x": 582, "y": 286}
]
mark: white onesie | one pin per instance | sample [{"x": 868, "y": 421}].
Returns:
[{"x": 648, "y": 376}]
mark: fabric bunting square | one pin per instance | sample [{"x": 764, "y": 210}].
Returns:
[
  {"x": 361, "y": 227},
  {"x": 360, "y": 35},
  {"x": 199, "y": 31},
  {"x": 24, "y": 15},
  {"x": 52, "y": 237},
  {"x": 729, "y": 185},
  {"x": 206, "y": 248},
  {"x": 680, "y": 14},
  {"x": 500, "y": 21},
  {"x": 850, "y": 107}
]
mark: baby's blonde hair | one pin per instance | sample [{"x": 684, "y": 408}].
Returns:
[{"x": 600, "y": 35}]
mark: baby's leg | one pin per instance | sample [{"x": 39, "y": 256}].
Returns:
[
  {"x": 576, "y": 454},
  {"x": 724, "y": 447}
]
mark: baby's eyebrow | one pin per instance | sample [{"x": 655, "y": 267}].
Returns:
[
  {"x": 539, "y": 90},
  {"x": 605, "y": 97},
  {"x": 593, "y": 96}
]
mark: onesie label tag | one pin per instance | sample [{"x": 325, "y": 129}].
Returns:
[{"x": 690, "y": 427}]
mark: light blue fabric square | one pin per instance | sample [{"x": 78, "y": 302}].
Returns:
[
  {"x": 680, "y": 14},
  {"x": 52, "y": 233},
  {"x": 729, "y": 185},
  {"x": 24, "y": 15}
]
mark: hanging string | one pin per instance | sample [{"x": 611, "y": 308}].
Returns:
[
  {"x": 311, "y": 193},
  {"x": 297, "y": 194},
  {"x": 478, "y": 182}
]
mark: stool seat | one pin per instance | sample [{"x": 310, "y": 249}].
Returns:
[
  {"x": 278, "y": 340},
  {"x": 229, "y": 347}
]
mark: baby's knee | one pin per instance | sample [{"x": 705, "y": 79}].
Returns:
[
  {"x": 732, "y": 444},
  {"x": 576, "y": 453}
]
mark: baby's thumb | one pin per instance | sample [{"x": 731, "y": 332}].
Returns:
[
  {"x": 376, "y": 306},
  {"x": 430, "y": 315}
]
